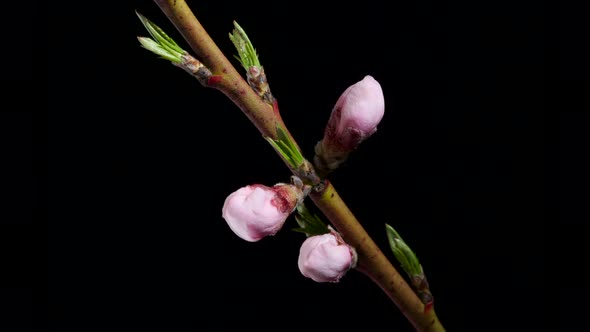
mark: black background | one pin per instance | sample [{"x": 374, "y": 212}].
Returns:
[{"x": 140, "y": 158}]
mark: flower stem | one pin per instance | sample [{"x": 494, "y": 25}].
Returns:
[{"x": 266, "y": 118}]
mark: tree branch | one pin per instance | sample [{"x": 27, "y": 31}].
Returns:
[
  {"x": 266, "y": 118},
  {"x": 372, "y": 261}
]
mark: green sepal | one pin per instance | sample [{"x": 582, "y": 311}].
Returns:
[
  {"x": 287, "y": 148},
  {"x": 309, "y": 224},
  {"x": 402, "y": 252},
  {"x": 162, "y": 44}
]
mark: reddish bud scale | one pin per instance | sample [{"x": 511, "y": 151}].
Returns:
[
  {"x": 286, "y": 199},
  {"x": 214, "y": 80},
  {"x": 428, "y": 306}
]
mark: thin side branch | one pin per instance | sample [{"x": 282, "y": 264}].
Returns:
[{"x": 225, "y": 77}]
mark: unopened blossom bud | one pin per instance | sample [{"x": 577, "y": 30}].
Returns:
[
  {"x": 256, "y": 211},
  {"x": 354, "y": 118},
  {"x": 325, "y": 257}
]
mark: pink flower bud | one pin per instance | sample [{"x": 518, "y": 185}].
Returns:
[
  {"x": 354, "y": 118},
  {"x": 356, "y": 114},
  {"x": 256, "y": 211},
  {"x": 325, "y": 258}
]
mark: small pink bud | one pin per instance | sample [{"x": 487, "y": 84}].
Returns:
[
  {"x": 354, "y": 118},
  {"x": 256, "y": 211},
  {"x": 325, "y": 258},
  {"x": 356, "y": 114}
]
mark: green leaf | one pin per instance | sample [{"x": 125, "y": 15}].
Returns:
[
  {"x": 402, "y": 252},
  {"x": 287, "y": 148},
  {"x": 246, "y": 51},
  {"x": 151, "y": 45},
  {"x": 294, "y": 152},
  {"x": 282, "y": 136},
  {"x": 166, "y": 44},
  {"x": 309, "y": 224},
  {"x": 280, "y": 148}
]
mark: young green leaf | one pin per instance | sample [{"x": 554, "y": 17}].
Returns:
[
  {"x": 403, "y": 253},
  {"x": 309, "y": 224},
  {"x": 246, "y": 52},
  {"x": 161, "y": 44},
  {"x": 287, "y": 148}
]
